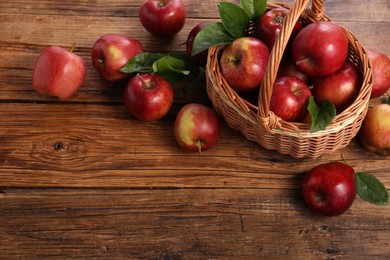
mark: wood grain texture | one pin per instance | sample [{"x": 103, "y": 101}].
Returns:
[{"x": 81, "y": 178}]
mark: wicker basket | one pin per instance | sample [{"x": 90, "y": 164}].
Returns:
[{"x": 259, "y": 124}]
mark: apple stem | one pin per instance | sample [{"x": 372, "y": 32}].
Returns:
[
  {"x": 72, "y": 48},
  {"x": 199, "y": 144}
]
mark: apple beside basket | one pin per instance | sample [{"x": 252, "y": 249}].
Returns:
[{"x": 259, "y": 124}]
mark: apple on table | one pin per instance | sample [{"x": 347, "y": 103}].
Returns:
[
  {"x": 148, "y": 96},
  {"x": 58, "y": 72},
  {"x": 163, "y": 18},
  {"x": 111, "y": 52}
]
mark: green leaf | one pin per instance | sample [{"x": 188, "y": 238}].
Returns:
[
  {"x": 259, "y": 6},
  {"x": 248, "y": 7},
  {"x": 170, "y": 68},
  {"x": 142, "y": 62},
  {"x": 234, "y": 18},
  {"x": 212, "y": 34},
  {"x": 369, "y": 188},
  {"x": 322, "y": 116}
]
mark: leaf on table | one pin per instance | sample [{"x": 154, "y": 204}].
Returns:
[
  {"x": 369, "y": 188},
  {"x": 142, "y": 62}
]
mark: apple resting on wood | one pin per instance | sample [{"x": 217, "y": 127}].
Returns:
[
  {"x": 163, "y": 18},
  {"x": 329, "y": 188},
  {"x": 148, "y": 97},
  {"x": 380, "y": 64},
  {"x": 196, "y": 128},
  {"x": 58, "y": 72},
  {"x": 111, "y": 52},
  {"x": 374, "y": 133}
]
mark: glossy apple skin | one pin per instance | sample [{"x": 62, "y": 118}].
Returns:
[
  {"x": 329, "y": 189},
  {"x": 148, "y": 97},
  {"x": 111, "y": 52},
  {"x": 289, "y": 99},
  {"x": 320, "y": 48},
  {"x": 243, "y": 63},
  {"x": 58, "y": 72},
  {"x": 380, "y": 64},
  {"x": 269, "y": 25},
  {"x": 341, "y": 88},
  {"x": 163, "y": 18},
  {"x": 374, "y": 133},
  {"x": 197, "y": 128},
  {"x": 200, "y": 58}
]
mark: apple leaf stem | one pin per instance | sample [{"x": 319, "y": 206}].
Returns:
[{"x": 72, "y": 47}]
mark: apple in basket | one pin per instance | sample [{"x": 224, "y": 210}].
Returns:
[
  {"x": 374, "y": 133},
  {"x": 58, "y": 72},
  {"x": 287, "y": 67},
  {"x": 200, "y": 58},
  {"x": 320, "y": 48},
  {"x": 243, "y": 63},
  {"x": 380, "y": 64},
  {"x": 289, "y": 98},
  {"x": 196, "y": 128},
  {"x": 111, "y": 52},
  {"x": 163, "y": 18},
  {"x": 330, "y": 188},
  {"x": 148, "y": 96},
  {"x": 341, "y": 88},
  {"x": 269, "y": 25}
]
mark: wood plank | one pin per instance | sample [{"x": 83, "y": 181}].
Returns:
[
  {"x": 80, "y": 145},
  {"x": 185, "y": 223}
]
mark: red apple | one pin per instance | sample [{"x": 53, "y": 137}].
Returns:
[
  {"x": 269, "y": 25},
  {"x": 329, "y": 188},
  {"x": 243, "y": 63},
  {"x": 340, "y": 88},
  {"x": 289, "y": 98},
  {"x": 163, "y": 18},
  {"x": 288, "y": 68},
  {"x": 111, "y": 52},
  {"x": 374, "y": 133},
  {"x": 196, "y": 128},
  {"x": 58, "y": 72},
  {"x": 320, "y": 48},
  {"x": 200, "y": 58},
  {"x": 148, "y": 97},
  {"x": 380, "y": 64}
]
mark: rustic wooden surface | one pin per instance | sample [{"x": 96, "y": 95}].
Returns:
[{"x": 82, "y": 178}]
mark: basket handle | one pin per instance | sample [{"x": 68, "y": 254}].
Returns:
[{"x": 267, "y": 119}]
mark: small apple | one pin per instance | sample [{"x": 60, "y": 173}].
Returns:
[
  {"x": 269, "y": 25},
  {"x": 243, "y": 63},
  {"x": 58, "y": 72},
  {"x": 200, "y": 58},
  {"x": 329, "y": 188},
  {"x": 148, "y": 97},
  {"x": 289, "y": 98},
  {"x": 374, "y": 133},
  {"x": 288, "y": 68},
  {"x": 163, "y": 18},
  {"x": 196, "y": 128},
  {"x": 340, "y": 88},
  {"x": 320, "y": 48},
  {"x": 111, "y": 52},
  {"x": 380, "y": 64}
]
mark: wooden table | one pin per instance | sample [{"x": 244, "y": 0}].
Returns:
[{"x": 82, "y": 178}]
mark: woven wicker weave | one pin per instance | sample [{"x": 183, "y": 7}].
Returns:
[{"x": 259, "y": 124}]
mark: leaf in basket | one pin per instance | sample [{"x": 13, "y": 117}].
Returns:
[
  {"x": 142, "y": 62},
  {"x": 254, "y": 8},
  {"x": 321, "y": 116},
  {"x": 234, "y": 18},
  {"x": 212, "y": 34},
  {"x": 369, "y": 188}
]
